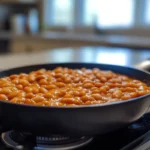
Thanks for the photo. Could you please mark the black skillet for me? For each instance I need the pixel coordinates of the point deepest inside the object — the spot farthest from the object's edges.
(83, 120)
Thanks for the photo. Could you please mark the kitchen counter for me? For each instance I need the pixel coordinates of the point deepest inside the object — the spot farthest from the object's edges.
(103, 39)
(110, 55)
(69, 38)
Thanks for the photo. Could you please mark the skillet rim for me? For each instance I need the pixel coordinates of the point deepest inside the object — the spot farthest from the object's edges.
(81, 106)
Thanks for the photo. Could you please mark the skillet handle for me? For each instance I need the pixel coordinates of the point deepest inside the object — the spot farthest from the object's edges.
(144, 65)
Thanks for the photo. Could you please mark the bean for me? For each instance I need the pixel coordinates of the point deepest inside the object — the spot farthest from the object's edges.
(67, 80)
(88, 85)
(97, 96)
(19, 86)
(140, 93)
(43, 90)
(67, 95)
(82, 93)
(59, 84)
(7, 84)
(103, 79)
(95, 91)
(58, 75)
(13, 76)
(15, 81)
(117, 94)
(22, 94)
(39, 77)
(58, 70)
(76, 93)
(48, 95)
(103, 90)
(133, 94)
(28, 89)
(38, 99)
(87, 98)
(98, 84)
(35, 90)
(31, 78)
(23, 75)
(12, 95)
(59, 80)
(76, 80)
(30, 95)
(43, 82)
(3, 97)
(129, 89)
(67, 100)
(23, 82)
(61, 93)
(6, 90)
(30, 101)
(14, 100)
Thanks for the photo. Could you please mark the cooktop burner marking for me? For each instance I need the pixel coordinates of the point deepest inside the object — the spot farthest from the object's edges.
(48, 142)
(7, 140)
(80, 143)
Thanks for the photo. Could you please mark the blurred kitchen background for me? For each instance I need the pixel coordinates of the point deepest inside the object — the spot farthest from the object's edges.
(37, 25)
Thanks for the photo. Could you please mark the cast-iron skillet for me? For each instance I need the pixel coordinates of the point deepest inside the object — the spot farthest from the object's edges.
(83, 120)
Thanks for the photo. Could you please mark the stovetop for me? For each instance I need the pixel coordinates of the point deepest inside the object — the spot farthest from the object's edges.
(124, 139)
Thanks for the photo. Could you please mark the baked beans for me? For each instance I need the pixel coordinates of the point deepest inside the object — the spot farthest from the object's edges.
(70, 87)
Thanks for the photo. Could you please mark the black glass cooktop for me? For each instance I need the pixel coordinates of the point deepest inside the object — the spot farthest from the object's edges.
(118, 140)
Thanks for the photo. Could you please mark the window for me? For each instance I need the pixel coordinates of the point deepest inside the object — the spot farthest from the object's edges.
(147, 12)
(90, 12)
(63, 12)
(109, 13)
(106, 14)
(58, 12)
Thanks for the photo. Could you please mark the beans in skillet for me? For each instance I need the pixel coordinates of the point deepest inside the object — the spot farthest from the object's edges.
(70, 87)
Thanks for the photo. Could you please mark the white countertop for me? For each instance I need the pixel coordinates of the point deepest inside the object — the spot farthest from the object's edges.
(110, 55)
